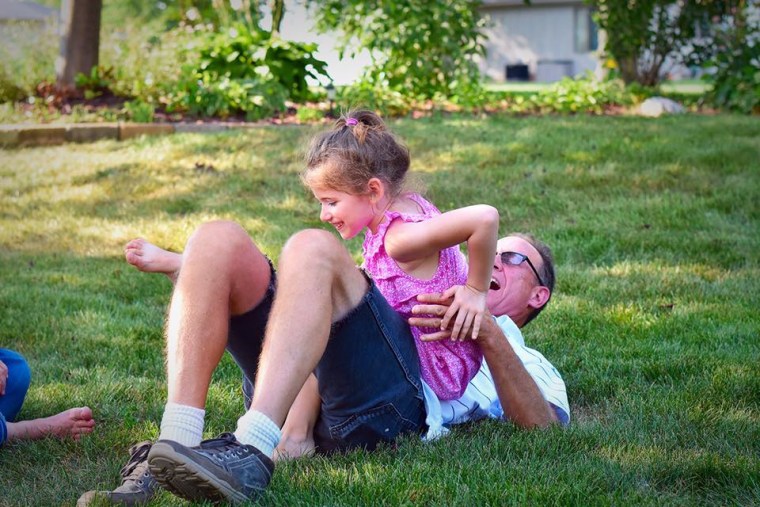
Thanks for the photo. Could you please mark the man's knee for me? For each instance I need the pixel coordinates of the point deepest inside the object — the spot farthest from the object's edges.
(219, 235)
(328, 263)
(315, 246)
(225, 249)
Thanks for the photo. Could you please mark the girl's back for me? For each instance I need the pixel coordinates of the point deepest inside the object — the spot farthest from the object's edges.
(447, 366)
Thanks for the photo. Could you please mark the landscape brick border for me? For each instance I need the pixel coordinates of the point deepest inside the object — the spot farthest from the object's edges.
(21, 135)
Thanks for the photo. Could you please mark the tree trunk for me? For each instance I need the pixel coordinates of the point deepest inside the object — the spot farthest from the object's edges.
(278, 11)
(629, 69)
(80, 39)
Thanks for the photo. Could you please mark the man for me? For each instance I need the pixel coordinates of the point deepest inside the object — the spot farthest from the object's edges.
(327, 318)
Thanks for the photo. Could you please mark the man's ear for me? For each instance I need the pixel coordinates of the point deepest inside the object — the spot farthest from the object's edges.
(376, 189)
(539, 297)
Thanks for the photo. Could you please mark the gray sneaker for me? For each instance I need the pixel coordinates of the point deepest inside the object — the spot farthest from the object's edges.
(218, 469)
(137, 486)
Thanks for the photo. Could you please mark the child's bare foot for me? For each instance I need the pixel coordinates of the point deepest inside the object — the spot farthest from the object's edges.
(149, 258)
(291, 448)
(73, 423)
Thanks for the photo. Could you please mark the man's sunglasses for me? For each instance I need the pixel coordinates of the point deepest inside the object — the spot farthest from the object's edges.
(515, 259)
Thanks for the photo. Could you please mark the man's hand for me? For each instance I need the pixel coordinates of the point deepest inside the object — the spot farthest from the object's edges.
(3, 377)
(520, 397)
(431, 310)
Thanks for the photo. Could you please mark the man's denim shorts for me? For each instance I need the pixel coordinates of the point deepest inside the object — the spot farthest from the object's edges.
(369, 377)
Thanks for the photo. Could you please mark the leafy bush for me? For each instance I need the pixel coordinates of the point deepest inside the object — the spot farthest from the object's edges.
(10, 91)
(736, 77)
(422, 50)
(139, 111)
(99, 80)
(146, 60)
(644, 35)
(244, 71)
(306, 114)
(27, 57)
(379, 98)
(582, 95)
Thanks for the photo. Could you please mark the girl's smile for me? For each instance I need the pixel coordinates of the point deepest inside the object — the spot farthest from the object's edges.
(348, 213)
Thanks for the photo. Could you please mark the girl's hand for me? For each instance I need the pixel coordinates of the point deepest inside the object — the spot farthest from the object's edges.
(469, 306)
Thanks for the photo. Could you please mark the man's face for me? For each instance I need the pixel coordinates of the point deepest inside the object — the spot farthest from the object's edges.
(512, 287)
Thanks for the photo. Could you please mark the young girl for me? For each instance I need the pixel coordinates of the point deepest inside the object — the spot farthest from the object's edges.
(357, 172)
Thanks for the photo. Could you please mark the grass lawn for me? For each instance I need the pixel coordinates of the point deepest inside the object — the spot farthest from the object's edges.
(655, 225)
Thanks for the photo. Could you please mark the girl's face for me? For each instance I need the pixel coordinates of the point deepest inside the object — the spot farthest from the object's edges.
(348, 213)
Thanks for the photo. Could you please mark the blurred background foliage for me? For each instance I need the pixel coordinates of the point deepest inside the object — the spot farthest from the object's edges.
(171, 60)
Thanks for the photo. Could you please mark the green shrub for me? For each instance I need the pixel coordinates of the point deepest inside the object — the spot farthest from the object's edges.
(423, 50)
(736, 78)
(139, 111)
(10, 91)
(582, 95)
(244, 71)
(146, 60)
(309, 114)
(372, 96)
(27, 57)
(99, 80)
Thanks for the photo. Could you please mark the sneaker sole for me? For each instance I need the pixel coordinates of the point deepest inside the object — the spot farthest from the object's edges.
(185, 478)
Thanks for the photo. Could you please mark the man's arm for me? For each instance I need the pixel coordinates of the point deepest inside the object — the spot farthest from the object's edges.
(518, 393)
(520, 397)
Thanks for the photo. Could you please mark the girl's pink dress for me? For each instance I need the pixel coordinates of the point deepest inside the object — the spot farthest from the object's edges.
(446, 366)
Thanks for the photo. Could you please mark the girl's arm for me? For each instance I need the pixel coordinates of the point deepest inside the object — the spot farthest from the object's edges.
(475, 225)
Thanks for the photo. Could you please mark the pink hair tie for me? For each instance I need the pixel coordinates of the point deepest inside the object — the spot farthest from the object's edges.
(351, 122)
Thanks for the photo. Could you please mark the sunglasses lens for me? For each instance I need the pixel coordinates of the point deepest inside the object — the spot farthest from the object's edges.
(513, 258)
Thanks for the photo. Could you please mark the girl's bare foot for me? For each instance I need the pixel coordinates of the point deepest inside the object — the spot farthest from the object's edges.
(73, 423)
(291, 448)
(149, 258)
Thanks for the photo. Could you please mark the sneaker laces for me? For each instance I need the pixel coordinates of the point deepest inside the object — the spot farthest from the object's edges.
(138, 457)
(224, 446)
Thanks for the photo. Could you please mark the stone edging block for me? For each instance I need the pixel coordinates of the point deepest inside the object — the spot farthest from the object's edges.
(91, 133)
(42, 135)
(46, 135)
(130, 130)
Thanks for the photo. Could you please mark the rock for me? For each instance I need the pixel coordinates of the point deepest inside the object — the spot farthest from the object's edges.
(657, 106)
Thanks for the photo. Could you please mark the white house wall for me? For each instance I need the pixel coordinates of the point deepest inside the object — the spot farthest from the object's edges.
(543, 37)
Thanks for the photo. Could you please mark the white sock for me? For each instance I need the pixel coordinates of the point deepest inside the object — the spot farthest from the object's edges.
(258, 430)
(183, 424)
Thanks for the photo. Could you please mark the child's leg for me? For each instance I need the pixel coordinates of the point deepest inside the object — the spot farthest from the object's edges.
(73, 423)
(16, 385)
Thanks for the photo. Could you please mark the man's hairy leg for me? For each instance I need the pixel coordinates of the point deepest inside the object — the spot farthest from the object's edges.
(318, 284)
(223, 273)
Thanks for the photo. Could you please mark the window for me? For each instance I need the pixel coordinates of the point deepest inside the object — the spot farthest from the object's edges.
(586, 31)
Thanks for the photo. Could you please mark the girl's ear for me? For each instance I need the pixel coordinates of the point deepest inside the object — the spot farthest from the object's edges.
(376, 189)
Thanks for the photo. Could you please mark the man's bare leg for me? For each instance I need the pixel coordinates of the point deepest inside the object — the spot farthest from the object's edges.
(223, 273)
(73, 423)
(297, 433)
(318, 284)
